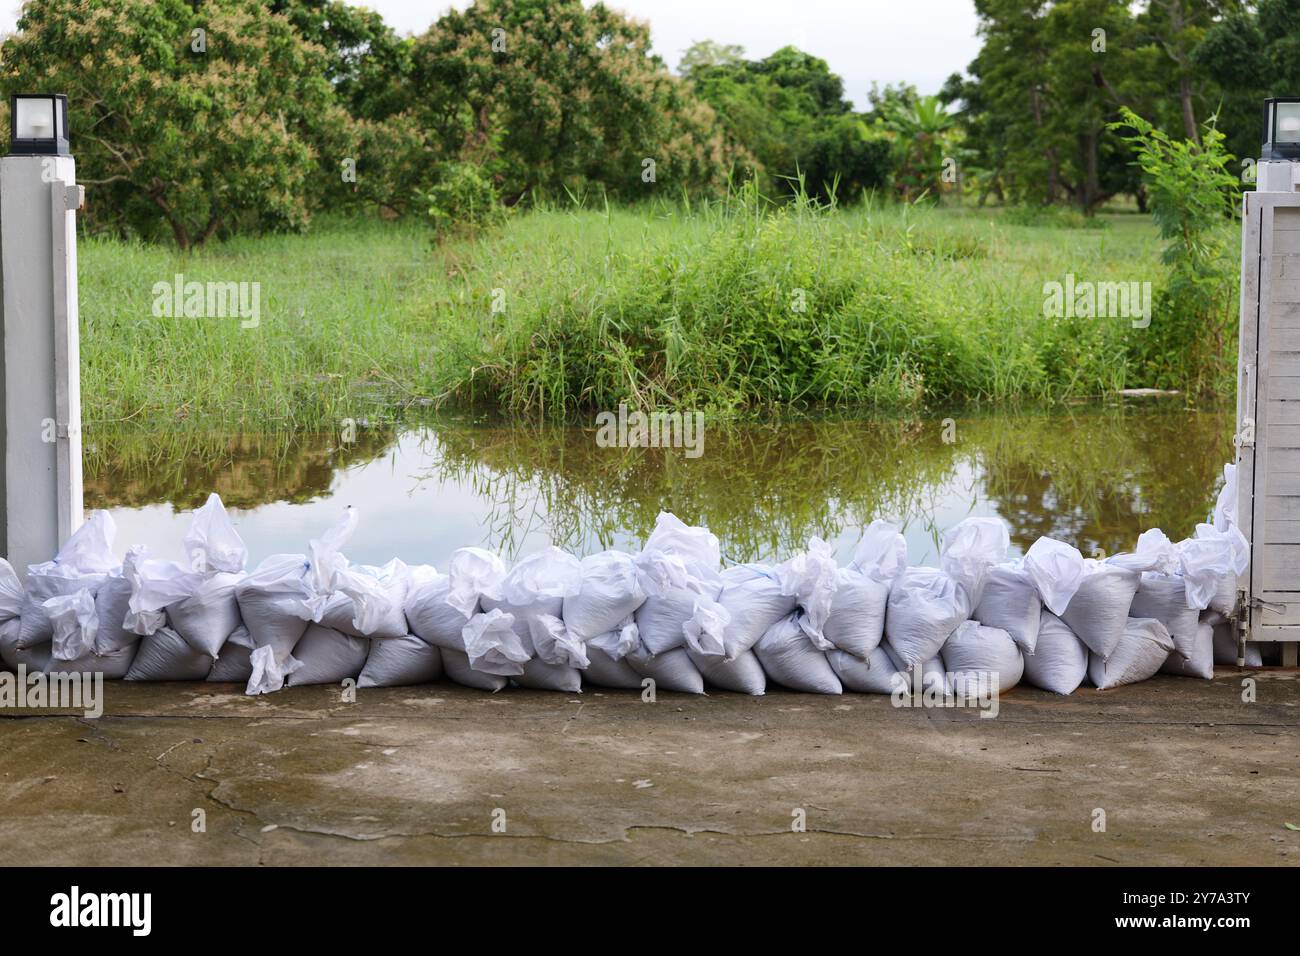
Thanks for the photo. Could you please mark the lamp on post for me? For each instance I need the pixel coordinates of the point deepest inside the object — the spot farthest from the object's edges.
(38, 125)
(40, 425)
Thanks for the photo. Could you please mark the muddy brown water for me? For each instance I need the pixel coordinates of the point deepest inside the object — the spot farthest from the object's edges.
(1095, 476)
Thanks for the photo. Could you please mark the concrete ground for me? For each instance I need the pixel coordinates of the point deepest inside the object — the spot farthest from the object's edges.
(1185, 772)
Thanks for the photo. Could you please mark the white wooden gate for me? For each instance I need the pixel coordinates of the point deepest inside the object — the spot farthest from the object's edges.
(1268, 418)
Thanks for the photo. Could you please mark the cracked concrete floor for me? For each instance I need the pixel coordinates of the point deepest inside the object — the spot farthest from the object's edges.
(1185, 771)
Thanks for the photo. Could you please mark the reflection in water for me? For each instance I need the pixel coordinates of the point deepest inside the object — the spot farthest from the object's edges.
(1095, 477)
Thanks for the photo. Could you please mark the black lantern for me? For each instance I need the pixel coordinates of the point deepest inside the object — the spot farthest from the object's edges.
(38, 124)
(1281, 128)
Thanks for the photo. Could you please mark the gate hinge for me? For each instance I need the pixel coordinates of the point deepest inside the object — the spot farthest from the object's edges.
(1246, 437)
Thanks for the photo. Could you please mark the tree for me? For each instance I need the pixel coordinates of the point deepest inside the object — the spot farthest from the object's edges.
(199, 115)
(706, 53)
(549, 94)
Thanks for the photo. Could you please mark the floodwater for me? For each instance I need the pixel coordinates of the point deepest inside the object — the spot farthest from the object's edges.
(1095, 476)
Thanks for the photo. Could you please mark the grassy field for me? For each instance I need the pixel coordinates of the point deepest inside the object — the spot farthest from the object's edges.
(732, 309)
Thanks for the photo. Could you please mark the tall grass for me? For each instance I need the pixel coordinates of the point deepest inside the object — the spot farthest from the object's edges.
(737, 307)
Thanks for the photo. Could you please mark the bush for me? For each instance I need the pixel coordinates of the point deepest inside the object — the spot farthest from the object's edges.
(462, 197)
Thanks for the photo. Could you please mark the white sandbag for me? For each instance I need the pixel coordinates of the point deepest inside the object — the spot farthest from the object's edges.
(368, 601)
(429, 615)
(165, 655)
(12, 595)
(456, 665)
(1225, 647)
(473, 573)
(661, 620)
(114, 665)
(235, 664)
(1057, 570)
(1164, 597)
(84, 562)
(273, 602)
(33, 659)
(790, 658)
(610, 591)
(978, 656)
(210, 614)
(197, 599)
(744, 675)
(112, 604)
(678, 563)
(399, 662)
(672, 670)
(876, 675)
(753, 597)
(492, 644)
(1098, 612)
(270, 670)
(1225, 506)
(605, 671)
(1209, 562)
(1060, 660)
(1142, 649)
(856, 623)
(73, 620)
(925, 606)
(533, 594)
(813, 577)
(1193, 658)
(555, 656)
(1011, 603)
(328, 656)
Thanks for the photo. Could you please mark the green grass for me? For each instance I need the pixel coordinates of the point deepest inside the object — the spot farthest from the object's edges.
(662, 306)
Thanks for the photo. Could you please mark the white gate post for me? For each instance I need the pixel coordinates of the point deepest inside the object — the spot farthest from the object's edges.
(41, 426)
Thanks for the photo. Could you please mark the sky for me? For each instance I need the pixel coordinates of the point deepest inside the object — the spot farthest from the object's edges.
(883, 41)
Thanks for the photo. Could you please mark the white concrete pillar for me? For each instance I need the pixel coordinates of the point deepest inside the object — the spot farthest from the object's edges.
(41, 485)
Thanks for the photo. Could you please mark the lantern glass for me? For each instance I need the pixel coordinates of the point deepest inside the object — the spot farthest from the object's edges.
(36, 118)
(1286, 123)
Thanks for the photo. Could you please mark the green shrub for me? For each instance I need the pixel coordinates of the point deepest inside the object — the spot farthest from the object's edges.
(463, 197)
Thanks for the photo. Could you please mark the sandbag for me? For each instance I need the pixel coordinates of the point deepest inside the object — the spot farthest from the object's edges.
(83, 563)
(429, 615)
(557, 656)
(165, 655)
(112, 603)
(976, 656)
(270, 670)
(1164, 597)
(1060, 660)
(456, 666)
(12, 595)
(1225, 646)
(533, 594)
(1098, 612)
(197, 599)
(368, 601)
(677, 564)
(876, 675)
(604, 670)
(925, 607)
(752, 598)
(328, 656)
(927, 604)
(32, 659)
(400, 661)
(1142, 649)
(744, 675)
(1011, 603)
(273, 602)
(493, 646)
(672, 670)
(856, 622)
(114, 665)
(789, 657)
(610, 591)
(73, 622)
(234, 665)
(1193, 658)
(1057, 570)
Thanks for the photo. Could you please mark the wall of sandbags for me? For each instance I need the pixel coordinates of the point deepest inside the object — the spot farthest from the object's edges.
(671, 613)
